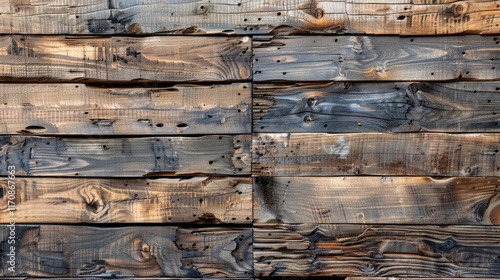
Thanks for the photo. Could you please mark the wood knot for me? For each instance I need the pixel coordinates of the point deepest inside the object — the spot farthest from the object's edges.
(458, 10)
(134, 28)
(318, 13)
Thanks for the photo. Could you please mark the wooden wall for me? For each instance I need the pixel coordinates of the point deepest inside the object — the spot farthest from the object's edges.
(250, 139)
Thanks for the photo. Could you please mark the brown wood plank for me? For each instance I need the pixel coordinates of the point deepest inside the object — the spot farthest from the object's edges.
(422, 154)
(84, 109)
(412, 278)
(58, 251)
(95, 156)
(203, 200)
(369, 250)
(379, 107)
(124, 58)
(378, 200)
(376, 58)
(250, 17)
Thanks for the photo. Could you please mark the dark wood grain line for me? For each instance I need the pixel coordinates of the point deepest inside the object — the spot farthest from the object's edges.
(62, 251)
(377, 107)
(167, 59)
(378, 200)
(376, 58)
(95, 156)
(423, 154)
(369, 250)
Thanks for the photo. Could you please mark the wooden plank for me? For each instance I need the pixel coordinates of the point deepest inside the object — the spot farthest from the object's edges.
(96, 156)
(376, 58)
(59, 251)
(84, 109)
(250, 17)
(136, 59)
(379, 107)
(378, 200)
(423, 154)
(407, 278)
(369, 250)
(203, 200)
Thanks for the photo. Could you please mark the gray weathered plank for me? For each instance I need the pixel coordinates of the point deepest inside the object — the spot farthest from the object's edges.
(59, 251)
(95, 156)
(423, 154)
(136, 59)
(83, 109)
(249, 17)
(203, 200)
(377, 107)
(369, 250)
(376, 58)
(378, 200)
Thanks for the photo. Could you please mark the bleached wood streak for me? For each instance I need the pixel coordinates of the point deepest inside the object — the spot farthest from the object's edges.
(95, 156)
(378, 200)
(127, 59)
(370, 250)
(61, 251)
(203, 200)
(422, 154)
(250, 17)
(83, 109)
(377, 107)
(376, 58)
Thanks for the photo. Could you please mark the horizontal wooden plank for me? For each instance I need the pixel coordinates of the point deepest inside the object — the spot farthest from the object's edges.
(422, 154)
(136, 59)
(408, 278)
(58, 251)
(201, 200)
(377, 107)
(376, 58)
(378, 200)
(83, 109)
(95, 156)
(368, 250)
(250, 17)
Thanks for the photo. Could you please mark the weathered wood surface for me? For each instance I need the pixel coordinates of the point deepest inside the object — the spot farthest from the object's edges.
(378, 200)
(127, 59)
(250, 17)
(203, 200)
(408, 278)
(84, 109)
(379, 107)
(130, 251)
(95, 156)
(431, 154)
(376, 58)
(368, 250)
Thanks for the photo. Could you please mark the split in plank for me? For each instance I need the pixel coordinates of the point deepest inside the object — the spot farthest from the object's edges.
(250, 17)
(84, 109)
(421, 154)
(168, 59)
(376, 58)
(202, 200)
(378, 200)
(95, 156)
(377, 107)
(369, 250)
(59, 251)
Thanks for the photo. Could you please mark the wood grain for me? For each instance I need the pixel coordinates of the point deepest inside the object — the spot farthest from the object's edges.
(250, 17)
(97, 156)
(378, 200)
(379, 107)
(423, 154)
(408, 278)
(369, 250)
(376, 58)
(84, 109)
(60, 251)
(203, 200)
(135, 59)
